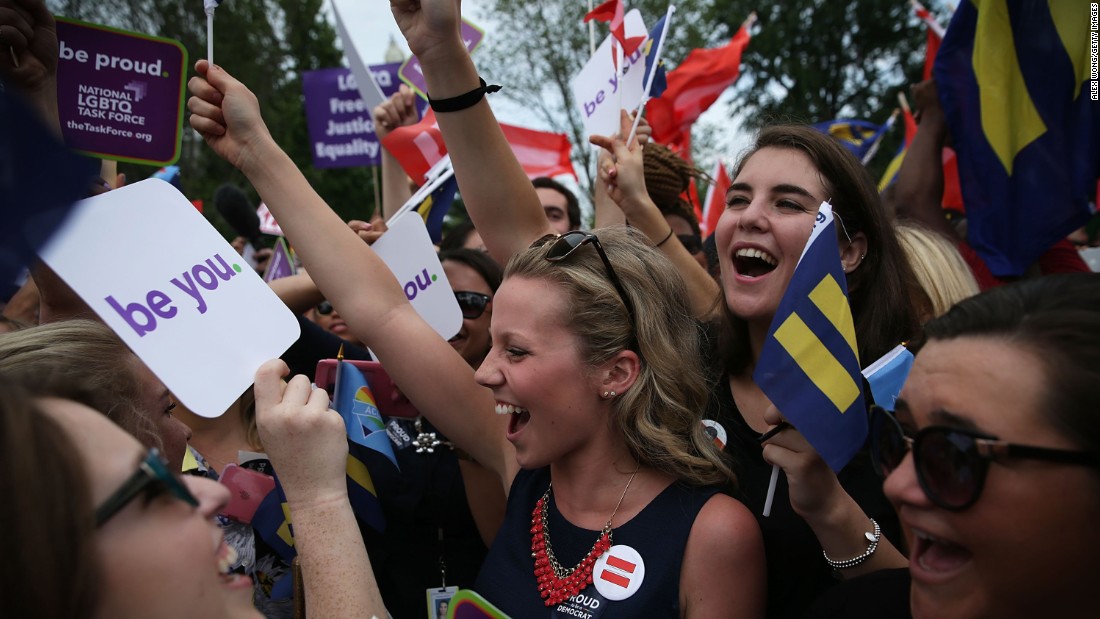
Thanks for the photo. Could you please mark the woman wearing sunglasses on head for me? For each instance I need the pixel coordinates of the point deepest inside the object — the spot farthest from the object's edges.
(592, 372)
(993, 459)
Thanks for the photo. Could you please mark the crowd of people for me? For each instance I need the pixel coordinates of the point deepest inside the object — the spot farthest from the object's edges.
(574, 468)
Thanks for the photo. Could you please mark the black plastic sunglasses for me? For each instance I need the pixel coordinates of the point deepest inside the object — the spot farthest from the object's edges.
(472, 304)
(952, 463)
(151, 471)
(569, 242)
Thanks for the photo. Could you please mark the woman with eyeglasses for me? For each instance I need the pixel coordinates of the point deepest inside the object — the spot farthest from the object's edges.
(993, 458)
(593, 374)
(97, 525)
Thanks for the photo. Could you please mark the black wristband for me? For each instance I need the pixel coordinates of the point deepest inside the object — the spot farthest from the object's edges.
(463, 101)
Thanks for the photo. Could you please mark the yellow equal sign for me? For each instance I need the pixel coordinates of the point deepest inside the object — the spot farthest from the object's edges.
(811, 354)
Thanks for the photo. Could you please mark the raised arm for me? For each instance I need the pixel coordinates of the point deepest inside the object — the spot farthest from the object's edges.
(498, 195)
(308, 447)
(918, 190)
(30, 39)
(351, 276)
(624, 178)
(397, 111)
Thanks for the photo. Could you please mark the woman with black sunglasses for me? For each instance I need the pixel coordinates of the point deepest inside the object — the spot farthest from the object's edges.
(993, 460)
(593, 374)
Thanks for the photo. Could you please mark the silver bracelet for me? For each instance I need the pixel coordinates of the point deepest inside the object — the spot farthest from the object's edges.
(872, 537)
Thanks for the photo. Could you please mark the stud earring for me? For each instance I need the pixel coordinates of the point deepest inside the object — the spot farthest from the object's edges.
(606, 394)
(613, 394)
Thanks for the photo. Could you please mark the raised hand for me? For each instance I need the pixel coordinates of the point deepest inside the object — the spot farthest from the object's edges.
(430, 27)
(28, 47)
(306, 441)
(397, 111)
(621, 169)
(227, 115)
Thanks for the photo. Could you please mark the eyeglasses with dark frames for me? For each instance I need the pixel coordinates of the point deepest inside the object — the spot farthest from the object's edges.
(569, 242)
(471, 303)
(151, 471)
(952, 463)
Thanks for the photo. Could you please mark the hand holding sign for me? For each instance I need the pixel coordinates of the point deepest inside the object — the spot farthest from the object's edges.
(226, 114)
(303, 437)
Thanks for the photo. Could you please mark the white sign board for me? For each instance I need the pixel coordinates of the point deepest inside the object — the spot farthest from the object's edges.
(174, 290)
(597, 88)
(408, 252)
(364, 79)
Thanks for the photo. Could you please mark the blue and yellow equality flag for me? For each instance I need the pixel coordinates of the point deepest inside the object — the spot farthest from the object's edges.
(652, 62)
(858, 136)
(1013, 80)
(434, 208)
(809, 365)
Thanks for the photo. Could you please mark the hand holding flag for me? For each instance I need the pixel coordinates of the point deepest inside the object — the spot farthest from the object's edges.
(809, 364)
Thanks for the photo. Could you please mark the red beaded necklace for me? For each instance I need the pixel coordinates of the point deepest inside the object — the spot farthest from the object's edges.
(556, 583)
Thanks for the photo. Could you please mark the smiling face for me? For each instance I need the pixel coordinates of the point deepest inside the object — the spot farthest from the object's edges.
(472, 341)
(158, 556)
(769, 215)
(1029, 546)
(538, 377)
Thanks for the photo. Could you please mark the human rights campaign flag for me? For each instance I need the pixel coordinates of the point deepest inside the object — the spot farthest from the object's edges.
(857, 136)
(1013, 78)
(434, 208)
(809, 367)
(652, 62)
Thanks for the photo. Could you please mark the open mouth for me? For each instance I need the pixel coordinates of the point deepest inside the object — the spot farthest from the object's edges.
(753, 262)
(232, 576)
(935, 556)
(519, 416)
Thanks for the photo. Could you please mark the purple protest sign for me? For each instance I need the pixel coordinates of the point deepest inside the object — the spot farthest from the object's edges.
(411, 73)
(341, 133)
(119, 93)
(281, 264)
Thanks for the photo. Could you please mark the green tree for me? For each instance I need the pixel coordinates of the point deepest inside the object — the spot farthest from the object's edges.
(817, 60)
(264, 43)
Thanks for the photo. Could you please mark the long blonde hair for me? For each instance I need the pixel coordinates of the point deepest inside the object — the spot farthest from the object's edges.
(660, 416)
(84, 361)
(938, 265)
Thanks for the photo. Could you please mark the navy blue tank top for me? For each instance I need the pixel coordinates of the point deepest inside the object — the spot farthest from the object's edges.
(658, 533)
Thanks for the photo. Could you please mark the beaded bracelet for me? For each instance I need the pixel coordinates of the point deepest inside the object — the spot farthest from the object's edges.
(872, 537)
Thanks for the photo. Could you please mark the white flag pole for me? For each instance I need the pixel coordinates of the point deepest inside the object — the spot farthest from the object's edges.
(874, 147)
(209, 6)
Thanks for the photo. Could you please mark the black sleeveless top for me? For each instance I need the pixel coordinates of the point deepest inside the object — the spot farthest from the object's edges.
(658, 533)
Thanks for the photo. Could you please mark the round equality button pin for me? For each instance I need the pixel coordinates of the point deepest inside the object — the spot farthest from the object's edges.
(618, 573)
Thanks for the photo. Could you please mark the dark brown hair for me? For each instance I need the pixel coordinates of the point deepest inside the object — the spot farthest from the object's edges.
(1057, 319)
(48, 540)
(882, 289)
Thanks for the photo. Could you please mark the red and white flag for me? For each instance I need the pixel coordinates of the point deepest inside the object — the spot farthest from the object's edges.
(612, 11)
(716, 200)
(539, 152)
(418, 147)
